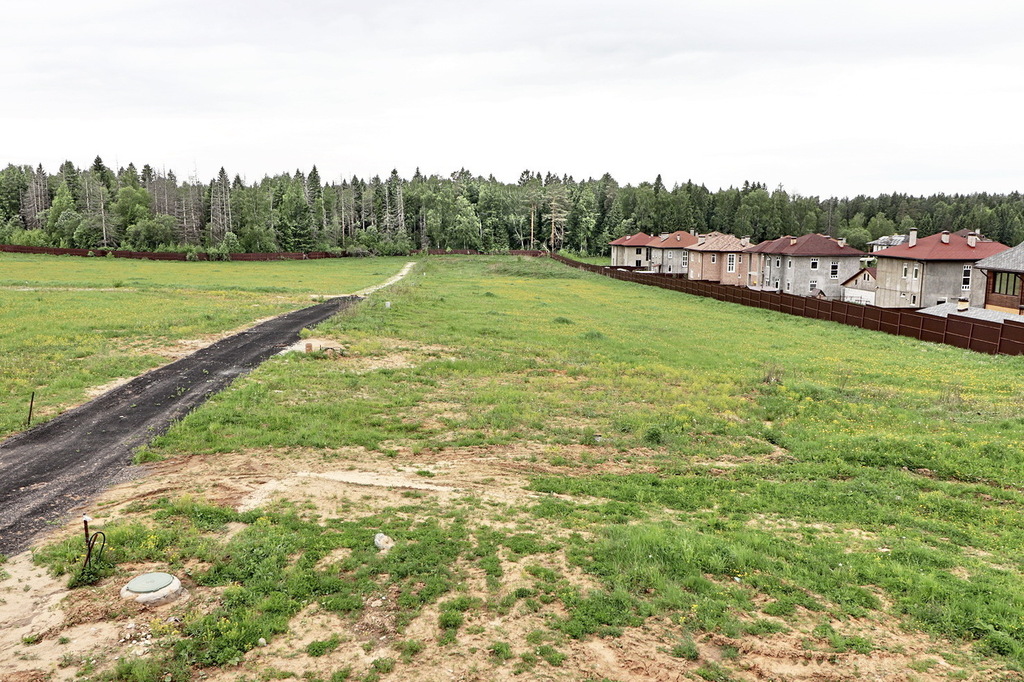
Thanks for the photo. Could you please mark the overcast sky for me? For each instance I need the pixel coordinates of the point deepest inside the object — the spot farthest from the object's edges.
(825, 98)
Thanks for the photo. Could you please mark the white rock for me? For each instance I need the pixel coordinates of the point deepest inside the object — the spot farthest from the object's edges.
(261, 641)
(383, 542)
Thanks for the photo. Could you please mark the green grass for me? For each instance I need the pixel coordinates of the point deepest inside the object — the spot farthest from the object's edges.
(764, 468)
(67, 327)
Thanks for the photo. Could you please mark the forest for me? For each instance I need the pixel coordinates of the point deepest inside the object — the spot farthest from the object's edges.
(152, 210)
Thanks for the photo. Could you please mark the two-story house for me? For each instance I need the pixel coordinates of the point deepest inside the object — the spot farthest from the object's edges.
(809, 265)
(718, 257)
(861, 287)
(1004, 273)
(632, 250)
(933, 270)
(669, 253)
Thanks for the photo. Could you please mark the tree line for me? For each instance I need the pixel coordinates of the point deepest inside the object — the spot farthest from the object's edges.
(152, 210)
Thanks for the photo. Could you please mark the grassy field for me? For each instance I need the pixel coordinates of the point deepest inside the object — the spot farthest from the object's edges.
(600, 462)
(67, 324)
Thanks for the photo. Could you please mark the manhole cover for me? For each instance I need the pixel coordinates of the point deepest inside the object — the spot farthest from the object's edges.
(149, 582)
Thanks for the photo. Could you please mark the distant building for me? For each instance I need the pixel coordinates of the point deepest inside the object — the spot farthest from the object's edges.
(1004, 273)
(632, 250)
(933, 270)
(668, 252)
(861, 287)
(718, 257)
(887, 241)
(809, 265)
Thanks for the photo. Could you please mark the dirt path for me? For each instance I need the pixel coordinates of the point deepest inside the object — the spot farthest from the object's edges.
(49, 470)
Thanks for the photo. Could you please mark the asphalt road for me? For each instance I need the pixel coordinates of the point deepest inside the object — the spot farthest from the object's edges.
(56, 467)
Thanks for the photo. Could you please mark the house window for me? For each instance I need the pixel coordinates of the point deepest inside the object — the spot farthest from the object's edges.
(684, 258)
(814, 264)
(778, 262)
(1006, 283)
(638, 264)
(906, 269)
(813, 284)
(776, 287)
(865, 277)
(789, 263)
(739, 258)
(965, 284)
(917, 270)
(714, 258)
(789, 286)
(639, 251)
(833, 272)
(670, 255)
(730, 263)
(670, 267)
(913, 300)
(648, 253)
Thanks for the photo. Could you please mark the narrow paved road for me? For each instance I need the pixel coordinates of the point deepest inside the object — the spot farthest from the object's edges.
(49, 470)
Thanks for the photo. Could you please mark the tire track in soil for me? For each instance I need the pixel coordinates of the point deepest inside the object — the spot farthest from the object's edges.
(49, 470)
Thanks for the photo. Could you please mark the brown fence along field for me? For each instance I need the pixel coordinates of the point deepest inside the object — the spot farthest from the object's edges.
(984, 336)
(159, 255)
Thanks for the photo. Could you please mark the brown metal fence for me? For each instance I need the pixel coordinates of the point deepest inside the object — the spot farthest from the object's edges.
(159, 255)
(984, 336)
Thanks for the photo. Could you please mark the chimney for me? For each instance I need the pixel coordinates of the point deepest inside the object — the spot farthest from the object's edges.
(841, 241)
(913, 237)
(701, 238)
(693, 231)
(663, 235)
(945, 237)
(792, 241)
(744, 241)
(962, 305)
(972, 239)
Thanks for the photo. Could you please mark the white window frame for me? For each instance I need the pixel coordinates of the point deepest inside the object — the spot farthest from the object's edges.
(714, 258)
(814, 264)
(684, 258)
(833, 272)
(917, 270)
(906, 270)
(789, 263)
(812, 285)
(670, 255)
(730, 262)
(789, 286)
(965, 283)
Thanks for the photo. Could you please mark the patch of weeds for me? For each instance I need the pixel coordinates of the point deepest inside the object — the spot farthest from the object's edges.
(383, 665)
(653, 435)
(31, 639)
(145, 456)
(500, 651)
(687, 650)
(425, 473)
(924, 665)
(763, 626)
(272, 673)
(592, 335)
(341, 675)
(712, 672)
(148, 669)
(322, 647)
(562, 320)
(841, 643)
(527, 661)
(550, 654)
(409, 648)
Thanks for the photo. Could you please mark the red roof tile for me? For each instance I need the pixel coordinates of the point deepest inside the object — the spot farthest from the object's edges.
(806, 245)
(638, 239)
(677, 240)
(933, 248)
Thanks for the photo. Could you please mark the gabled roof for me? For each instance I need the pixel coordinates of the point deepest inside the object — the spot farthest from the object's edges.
(806, 245)
(1011, 260)
(933, 248)
(716, 241)
(677, 240)
(638, 239)
(873, 272)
